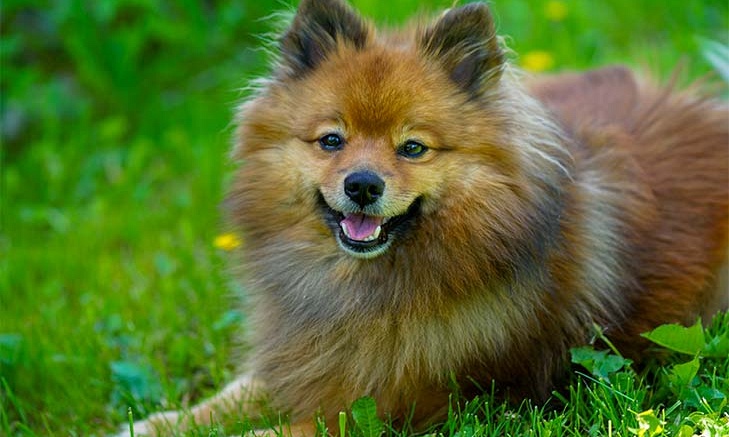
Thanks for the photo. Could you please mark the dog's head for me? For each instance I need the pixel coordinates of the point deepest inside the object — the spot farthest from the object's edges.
(377, 132)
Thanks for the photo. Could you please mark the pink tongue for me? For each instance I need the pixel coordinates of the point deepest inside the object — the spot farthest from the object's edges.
(361, 226)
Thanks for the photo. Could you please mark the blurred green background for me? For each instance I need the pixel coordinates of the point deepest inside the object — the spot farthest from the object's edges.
(115, 124)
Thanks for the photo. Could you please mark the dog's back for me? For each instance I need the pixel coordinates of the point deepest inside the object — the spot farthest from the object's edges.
(671, 150)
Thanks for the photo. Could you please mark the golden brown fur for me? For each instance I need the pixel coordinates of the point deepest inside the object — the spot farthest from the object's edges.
(539, 210)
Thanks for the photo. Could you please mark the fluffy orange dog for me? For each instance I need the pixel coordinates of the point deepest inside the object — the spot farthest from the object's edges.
(414, 215)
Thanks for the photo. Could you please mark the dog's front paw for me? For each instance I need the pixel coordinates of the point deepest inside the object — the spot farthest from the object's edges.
(166, 423)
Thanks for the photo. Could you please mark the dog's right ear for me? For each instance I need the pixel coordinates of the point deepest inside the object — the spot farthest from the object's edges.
(317, 28)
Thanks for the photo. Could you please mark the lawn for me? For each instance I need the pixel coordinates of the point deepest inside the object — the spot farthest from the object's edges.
(115, 125)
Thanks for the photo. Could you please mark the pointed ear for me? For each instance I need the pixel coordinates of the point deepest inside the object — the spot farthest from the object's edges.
(464, 42)
(315, 32)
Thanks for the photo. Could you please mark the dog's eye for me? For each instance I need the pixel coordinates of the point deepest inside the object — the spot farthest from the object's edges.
(331, 142)
(412, 149)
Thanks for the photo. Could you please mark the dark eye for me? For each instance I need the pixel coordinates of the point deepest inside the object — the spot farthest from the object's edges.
(412, 149)
(331, 142)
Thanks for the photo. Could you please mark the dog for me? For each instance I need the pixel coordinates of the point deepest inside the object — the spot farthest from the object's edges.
(418, 215)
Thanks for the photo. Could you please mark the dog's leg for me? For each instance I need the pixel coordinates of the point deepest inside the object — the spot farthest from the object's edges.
(243, 395)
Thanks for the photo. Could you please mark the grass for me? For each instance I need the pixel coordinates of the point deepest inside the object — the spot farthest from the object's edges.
(115, 123)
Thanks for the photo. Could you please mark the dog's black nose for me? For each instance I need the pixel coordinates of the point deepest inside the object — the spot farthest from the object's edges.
(364, 187)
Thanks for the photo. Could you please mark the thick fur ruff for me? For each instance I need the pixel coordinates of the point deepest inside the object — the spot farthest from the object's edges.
(535, 209)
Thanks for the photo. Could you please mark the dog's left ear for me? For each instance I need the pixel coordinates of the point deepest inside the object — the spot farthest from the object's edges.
(464, 42)
(318, 27)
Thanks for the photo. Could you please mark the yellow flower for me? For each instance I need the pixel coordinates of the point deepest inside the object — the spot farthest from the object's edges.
(537, 60)
(228, 241)
(555, 10)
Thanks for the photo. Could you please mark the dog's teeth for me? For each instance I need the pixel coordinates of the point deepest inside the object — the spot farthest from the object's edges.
(344, 229)
(374, 235)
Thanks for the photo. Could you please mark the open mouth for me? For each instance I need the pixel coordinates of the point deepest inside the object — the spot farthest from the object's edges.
(367, 236)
